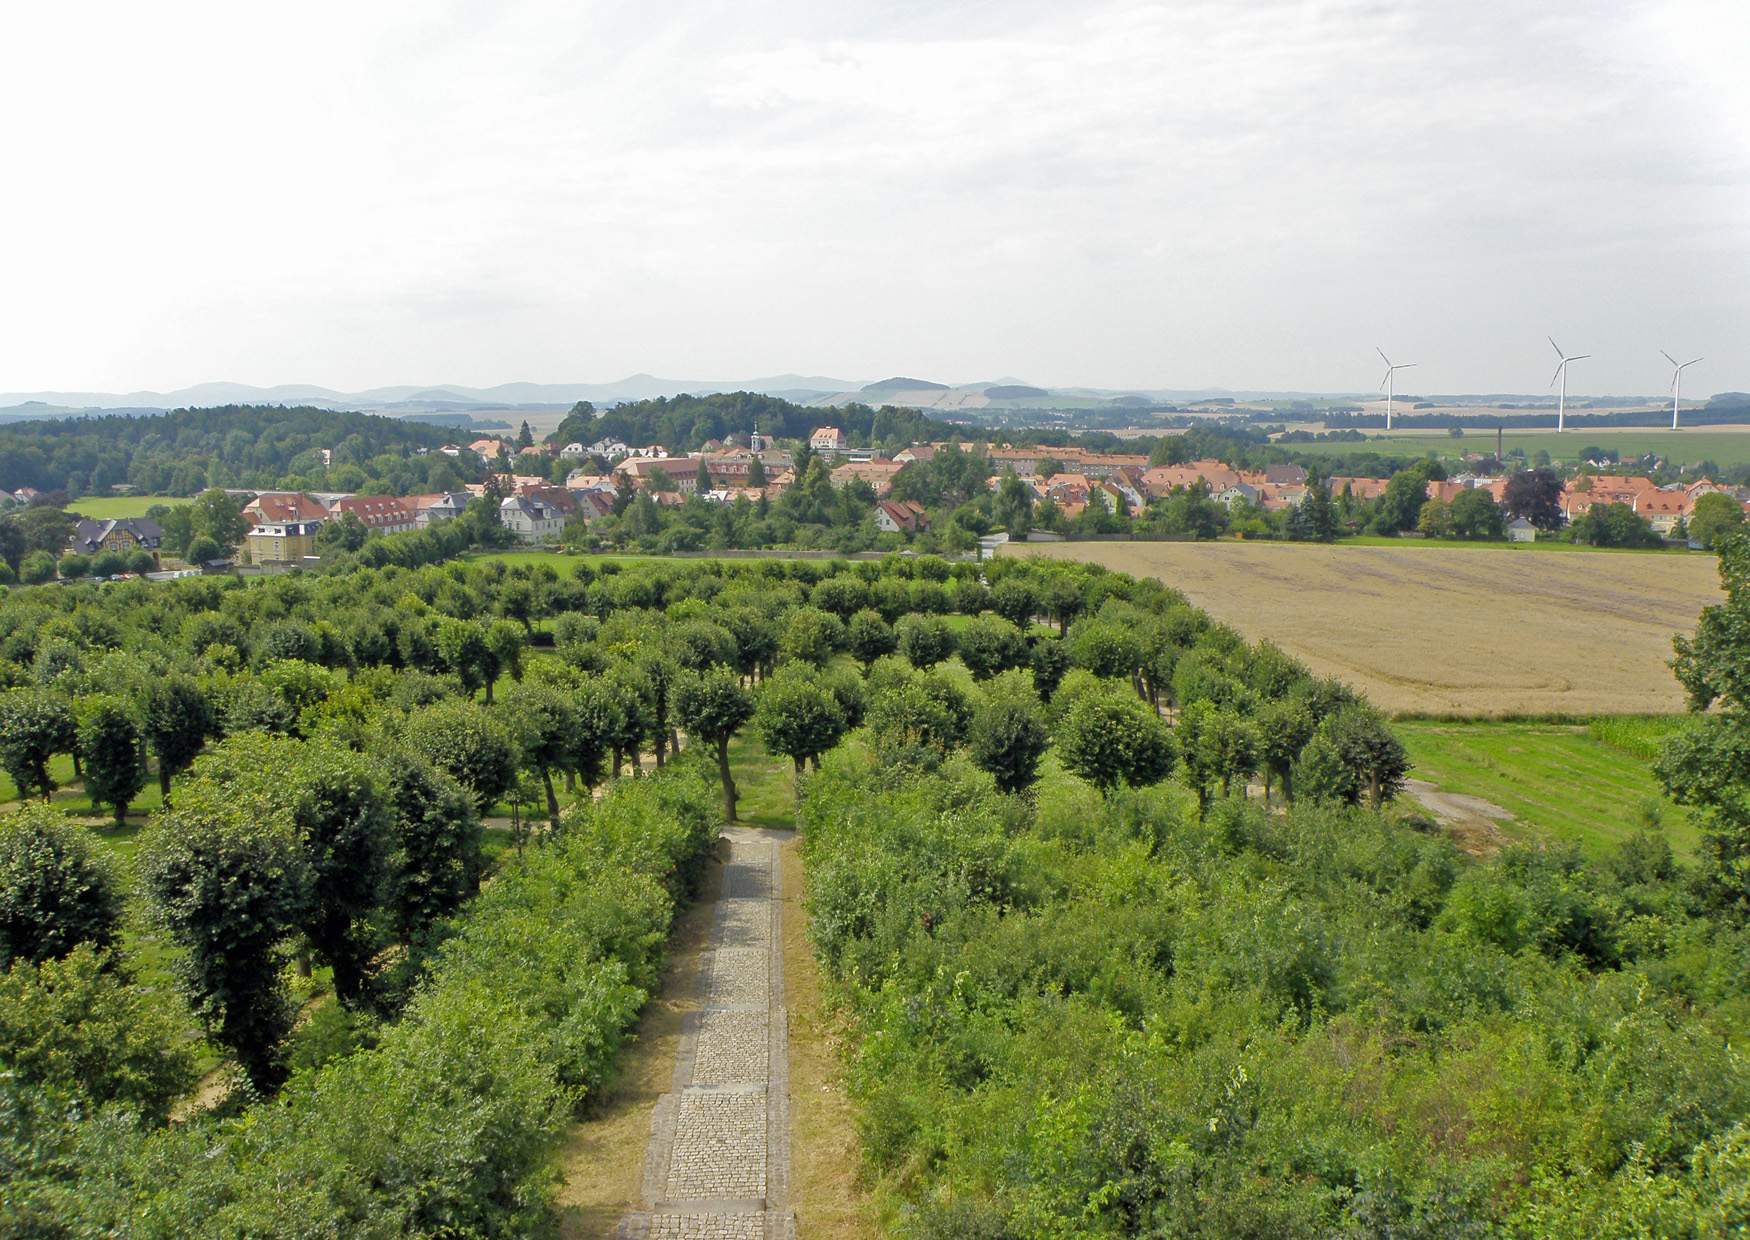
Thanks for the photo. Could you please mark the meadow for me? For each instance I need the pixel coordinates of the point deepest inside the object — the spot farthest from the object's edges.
(1589, 785)
(1725, 446)
(1433, 630)
(115, 507)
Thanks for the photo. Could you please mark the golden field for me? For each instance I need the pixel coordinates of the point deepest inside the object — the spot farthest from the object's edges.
(1446, 630)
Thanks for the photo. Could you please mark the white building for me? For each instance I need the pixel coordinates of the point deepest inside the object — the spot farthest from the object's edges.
(531, 520)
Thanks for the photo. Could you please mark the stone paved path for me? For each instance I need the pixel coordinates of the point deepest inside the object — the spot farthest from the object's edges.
(718, 1163)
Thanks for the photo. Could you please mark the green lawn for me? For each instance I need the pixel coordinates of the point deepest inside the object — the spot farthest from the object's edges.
(765, 786)
(1723, 447)
(1592, 786)
(103, 507)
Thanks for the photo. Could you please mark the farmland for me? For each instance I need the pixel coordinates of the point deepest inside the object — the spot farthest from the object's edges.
(1434, 630)
(1724, 446)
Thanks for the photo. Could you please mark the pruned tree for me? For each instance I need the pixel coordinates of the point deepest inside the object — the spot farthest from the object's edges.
(179, 718)
(1109, 738)
(713, 706)
(55, 893)
(114, 752)
(35, 724)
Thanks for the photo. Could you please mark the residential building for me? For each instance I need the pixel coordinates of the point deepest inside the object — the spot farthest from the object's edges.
(283, 507)
(531, 520)
(878, 474)
(1519, 530)
(899, 517)
(828, 439)
(281, 541)
(384, 513)
(127, 534)
(430, 509)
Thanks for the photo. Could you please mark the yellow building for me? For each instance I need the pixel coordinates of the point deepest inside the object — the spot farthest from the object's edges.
(282, 542)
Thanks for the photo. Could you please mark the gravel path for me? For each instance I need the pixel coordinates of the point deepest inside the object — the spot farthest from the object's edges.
(717, 1167)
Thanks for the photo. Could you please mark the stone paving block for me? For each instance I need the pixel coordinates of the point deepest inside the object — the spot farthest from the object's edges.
(740, 976)
(719, 1146)
(745, 922)
(733, 1048)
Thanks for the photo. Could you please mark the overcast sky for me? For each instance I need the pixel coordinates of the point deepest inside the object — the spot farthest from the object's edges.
(1240, 193)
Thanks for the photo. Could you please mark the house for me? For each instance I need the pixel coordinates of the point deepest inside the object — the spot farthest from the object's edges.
(828, 439)
(594, 504)
(430, 509)
(126, 535)
(917, 452)
(1520, 530)
(573, 452)
(383, 513)
(281, 541)
(1664, 509)
(1285, 475)
(899, 517)
(878, 474)
(531, 520)
(488, 449)
(281, 507)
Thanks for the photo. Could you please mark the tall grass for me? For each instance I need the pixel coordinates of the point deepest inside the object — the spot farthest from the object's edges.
(1639, 736)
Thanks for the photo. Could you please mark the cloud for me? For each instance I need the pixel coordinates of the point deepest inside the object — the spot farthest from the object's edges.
(1248, 194)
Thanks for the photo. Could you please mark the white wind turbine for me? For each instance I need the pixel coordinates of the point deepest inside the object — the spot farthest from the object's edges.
(1388, 385)
(1677, 369)
(1562, 374)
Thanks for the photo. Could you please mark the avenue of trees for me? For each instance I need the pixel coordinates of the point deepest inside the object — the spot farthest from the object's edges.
(1130, 931)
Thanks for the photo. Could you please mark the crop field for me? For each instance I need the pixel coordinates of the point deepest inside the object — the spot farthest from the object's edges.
(106, 507)
(1586, 785)
(1723, 445)
(1436, 630)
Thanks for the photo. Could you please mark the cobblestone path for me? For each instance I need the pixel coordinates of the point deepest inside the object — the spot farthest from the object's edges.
(717, 1167)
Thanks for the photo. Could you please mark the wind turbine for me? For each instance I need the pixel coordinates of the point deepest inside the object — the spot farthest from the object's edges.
(1388, 385)
(1677, 369)
(1562, 374)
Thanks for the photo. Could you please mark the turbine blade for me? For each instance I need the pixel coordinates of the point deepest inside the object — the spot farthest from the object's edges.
(1558, 374)
(1576, 357)
(1405, 365)
(1382, 356)
(1555, 346)
(1667, 357)
(1692, 361)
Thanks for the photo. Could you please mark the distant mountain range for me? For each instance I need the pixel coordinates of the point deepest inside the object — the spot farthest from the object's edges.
(970, 399)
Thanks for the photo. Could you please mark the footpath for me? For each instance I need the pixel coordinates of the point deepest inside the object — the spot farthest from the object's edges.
(717, 1166)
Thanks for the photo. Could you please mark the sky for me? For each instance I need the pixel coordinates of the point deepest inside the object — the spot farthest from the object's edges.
(1231, 193)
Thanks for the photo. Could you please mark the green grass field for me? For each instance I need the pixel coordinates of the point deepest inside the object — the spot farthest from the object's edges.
(1588, 785)
(105, 507)
(1681, 447)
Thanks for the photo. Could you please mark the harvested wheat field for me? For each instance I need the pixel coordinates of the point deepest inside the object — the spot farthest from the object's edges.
(1438, 630)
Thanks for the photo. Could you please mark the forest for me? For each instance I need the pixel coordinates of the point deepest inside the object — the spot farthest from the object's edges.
(1127, 929)
(188, 451)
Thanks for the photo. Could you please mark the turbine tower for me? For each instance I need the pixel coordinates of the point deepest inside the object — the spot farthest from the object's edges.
(1677, 369)
(1562, 374)
(1388, 385)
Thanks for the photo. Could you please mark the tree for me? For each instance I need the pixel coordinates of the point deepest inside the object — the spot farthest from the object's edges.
(868, 637)
(227, 882)
(525, 437)
(114, 752)
(218, 516)
(990, 644)
(1108, 738)
(1351, 754)
(756, 473)
(917, 719)
(1008, 737)
(713, 706)
(467, 743)
(702, 479)
(343, 533)
(437, 859)
(811, 635)
(1284, 727)
(35, 724)
(1707, 765)
(55, 893)
(1314, 519)
(798, 716)
(1219, 747)
(1014, 506)
(1536, 495)
(1474, 514)
(79, 1027)
(1015, 600)
(36, 568)
(1715, 516)
(924, 640)
(461, 644)
(544, 723)
(1401, 505)
(1613, 525)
